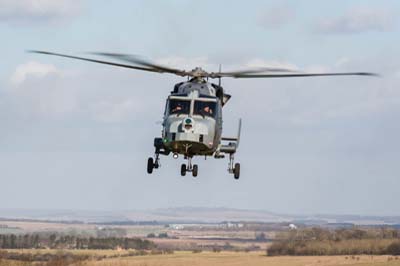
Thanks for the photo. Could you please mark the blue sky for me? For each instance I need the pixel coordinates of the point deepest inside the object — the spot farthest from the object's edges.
(76, 135)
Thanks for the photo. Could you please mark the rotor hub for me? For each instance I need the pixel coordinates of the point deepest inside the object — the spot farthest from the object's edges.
(198, 72)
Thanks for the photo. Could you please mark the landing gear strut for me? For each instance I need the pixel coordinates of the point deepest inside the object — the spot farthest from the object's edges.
(233, 168)
(160, 149)
(189, 168)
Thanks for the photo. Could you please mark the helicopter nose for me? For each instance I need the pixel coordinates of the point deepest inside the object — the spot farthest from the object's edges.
(188, 123)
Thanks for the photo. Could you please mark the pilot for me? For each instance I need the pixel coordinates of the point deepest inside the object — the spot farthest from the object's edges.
(208, 110)
(177, 109)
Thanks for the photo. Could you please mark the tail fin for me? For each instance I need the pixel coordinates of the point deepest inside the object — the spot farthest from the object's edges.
(233, 144)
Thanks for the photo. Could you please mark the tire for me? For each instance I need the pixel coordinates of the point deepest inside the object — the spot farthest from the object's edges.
(236, 171)
(195, 170)
(183, 169)
(150, 165)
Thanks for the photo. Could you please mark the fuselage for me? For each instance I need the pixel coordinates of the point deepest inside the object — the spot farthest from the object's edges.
(192, 123)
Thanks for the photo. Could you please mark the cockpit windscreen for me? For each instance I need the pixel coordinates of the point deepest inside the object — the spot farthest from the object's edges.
(205, 108)
(179, 106)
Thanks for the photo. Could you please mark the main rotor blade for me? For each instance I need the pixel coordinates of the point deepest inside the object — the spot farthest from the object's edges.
(294, 75)
(138, 61)
(96, 61)
(251, 71)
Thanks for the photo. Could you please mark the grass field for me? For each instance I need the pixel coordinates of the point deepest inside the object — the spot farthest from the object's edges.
(232, 247)
(239, 259)
(220, 259)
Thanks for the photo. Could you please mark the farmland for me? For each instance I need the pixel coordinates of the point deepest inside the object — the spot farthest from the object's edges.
(181, 258)
(42, 243)
(238, 259)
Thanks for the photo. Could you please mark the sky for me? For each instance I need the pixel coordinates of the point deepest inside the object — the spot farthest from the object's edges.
(77, 135)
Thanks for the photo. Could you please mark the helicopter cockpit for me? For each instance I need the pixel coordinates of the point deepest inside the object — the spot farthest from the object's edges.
(178, 107)
(203, 108)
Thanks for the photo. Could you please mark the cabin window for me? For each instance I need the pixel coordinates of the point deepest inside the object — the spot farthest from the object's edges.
(204, 108)
(179, 107)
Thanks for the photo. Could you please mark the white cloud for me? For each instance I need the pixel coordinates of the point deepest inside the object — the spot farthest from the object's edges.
(275, 18)
(317, 69)
(185, 63)
(32, 70)
(397, 74)
(111, 112)
(358, 20)
(33, 10)
(343, 61)
(42, 90)
(260, 63)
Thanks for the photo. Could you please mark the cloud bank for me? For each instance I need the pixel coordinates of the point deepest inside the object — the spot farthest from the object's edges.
(358, 20)
(275, 18)
(32, 69)
(37, 10)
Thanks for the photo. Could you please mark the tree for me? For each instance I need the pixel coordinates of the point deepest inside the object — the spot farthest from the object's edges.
(163, 235)
(394, 248)
(260, 236)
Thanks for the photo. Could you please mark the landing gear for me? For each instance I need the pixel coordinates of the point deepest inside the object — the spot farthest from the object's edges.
(183, 169)
(234, 168)
(236, 171)
(160, 149)
(189, 168)
(153, 163)
(195, 170)
(150, 165)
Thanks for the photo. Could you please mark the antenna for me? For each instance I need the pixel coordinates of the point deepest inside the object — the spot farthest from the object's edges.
(219, 79)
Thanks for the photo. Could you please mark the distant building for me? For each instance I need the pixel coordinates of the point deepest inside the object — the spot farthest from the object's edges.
(232, 225)
(178, 226)
(292, 227)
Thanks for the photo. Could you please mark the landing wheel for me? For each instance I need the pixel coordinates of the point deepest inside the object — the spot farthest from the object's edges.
(236, 171)
(183, 169)
(150, 165)
(195, 170)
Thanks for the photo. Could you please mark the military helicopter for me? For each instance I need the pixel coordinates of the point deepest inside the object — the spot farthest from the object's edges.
(192, 122)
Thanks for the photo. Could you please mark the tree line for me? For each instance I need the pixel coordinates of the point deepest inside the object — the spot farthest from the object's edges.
(36, 241)
(351, 241)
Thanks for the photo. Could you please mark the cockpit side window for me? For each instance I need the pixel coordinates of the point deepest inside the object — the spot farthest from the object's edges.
(179, 106)
(204, 108)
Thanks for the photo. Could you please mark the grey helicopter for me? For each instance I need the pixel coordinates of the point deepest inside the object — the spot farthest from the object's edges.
(192, 121)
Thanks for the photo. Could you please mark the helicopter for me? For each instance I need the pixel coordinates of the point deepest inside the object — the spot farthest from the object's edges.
(192, 121)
